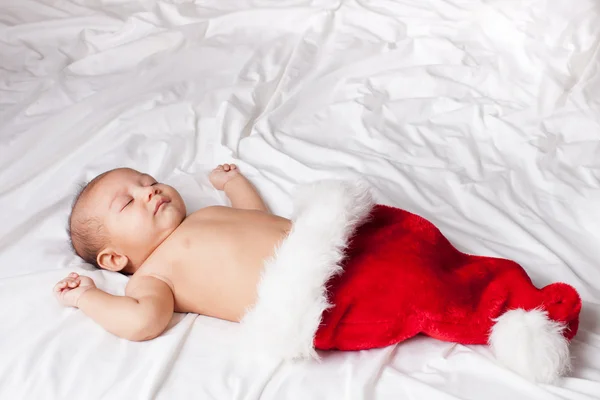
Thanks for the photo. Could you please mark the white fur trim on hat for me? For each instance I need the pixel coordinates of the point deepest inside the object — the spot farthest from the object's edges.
(291, 292)
(531, 344)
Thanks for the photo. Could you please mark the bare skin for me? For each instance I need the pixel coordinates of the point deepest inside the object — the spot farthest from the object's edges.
(208, 263)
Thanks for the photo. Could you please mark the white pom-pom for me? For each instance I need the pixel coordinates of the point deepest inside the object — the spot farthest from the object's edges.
(531, 344)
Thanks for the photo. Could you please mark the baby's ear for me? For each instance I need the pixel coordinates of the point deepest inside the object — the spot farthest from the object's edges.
(111, 260)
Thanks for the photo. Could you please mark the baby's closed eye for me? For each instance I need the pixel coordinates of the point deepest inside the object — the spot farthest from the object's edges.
(128, 201)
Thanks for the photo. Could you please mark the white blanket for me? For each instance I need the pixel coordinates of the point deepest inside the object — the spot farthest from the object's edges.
(480, 115)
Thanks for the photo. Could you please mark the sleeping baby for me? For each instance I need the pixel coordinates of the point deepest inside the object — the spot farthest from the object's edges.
(342, 274)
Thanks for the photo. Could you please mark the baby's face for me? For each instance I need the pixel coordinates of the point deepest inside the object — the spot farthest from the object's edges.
(137, 212)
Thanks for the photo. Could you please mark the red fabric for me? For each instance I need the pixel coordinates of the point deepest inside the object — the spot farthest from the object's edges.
(402, 277)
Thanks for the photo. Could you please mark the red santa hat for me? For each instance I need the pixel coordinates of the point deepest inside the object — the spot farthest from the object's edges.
(353, 275)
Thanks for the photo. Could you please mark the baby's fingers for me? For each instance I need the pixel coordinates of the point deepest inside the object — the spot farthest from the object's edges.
(60, 286)
(74, 283)
(67, 283)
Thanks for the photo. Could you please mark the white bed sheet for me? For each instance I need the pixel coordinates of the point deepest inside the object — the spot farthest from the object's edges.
(481, 115)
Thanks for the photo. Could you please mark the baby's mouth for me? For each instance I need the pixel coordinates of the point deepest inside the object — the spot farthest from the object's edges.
(159, 203)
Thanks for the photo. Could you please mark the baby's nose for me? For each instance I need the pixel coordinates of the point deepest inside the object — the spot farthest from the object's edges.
(150, 192)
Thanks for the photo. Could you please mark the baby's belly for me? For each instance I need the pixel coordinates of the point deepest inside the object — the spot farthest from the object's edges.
(224, 292)
(222, 281)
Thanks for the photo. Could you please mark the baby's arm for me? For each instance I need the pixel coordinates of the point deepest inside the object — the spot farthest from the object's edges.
(240, 191)
(142, 314)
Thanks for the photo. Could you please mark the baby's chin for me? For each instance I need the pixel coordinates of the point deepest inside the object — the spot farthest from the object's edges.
(171, 214)
(171, 221)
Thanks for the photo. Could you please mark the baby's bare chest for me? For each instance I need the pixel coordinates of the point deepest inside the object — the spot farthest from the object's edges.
(225, 236)
(212, 262)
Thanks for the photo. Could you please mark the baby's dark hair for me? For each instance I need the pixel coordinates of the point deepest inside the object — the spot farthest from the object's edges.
(86, 233)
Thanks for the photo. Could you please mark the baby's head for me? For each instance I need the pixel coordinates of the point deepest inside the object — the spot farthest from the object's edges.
(121, 217)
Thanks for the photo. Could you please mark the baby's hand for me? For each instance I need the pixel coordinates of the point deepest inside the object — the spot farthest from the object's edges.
(69, 290)
(223, 174)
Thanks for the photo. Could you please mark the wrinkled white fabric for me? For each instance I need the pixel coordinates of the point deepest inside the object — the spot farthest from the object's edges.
(482, 115)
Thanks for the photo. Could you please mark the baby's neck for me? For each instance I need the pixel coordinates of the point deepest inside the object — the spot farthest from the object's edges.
(139, 257)
(136, 262)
